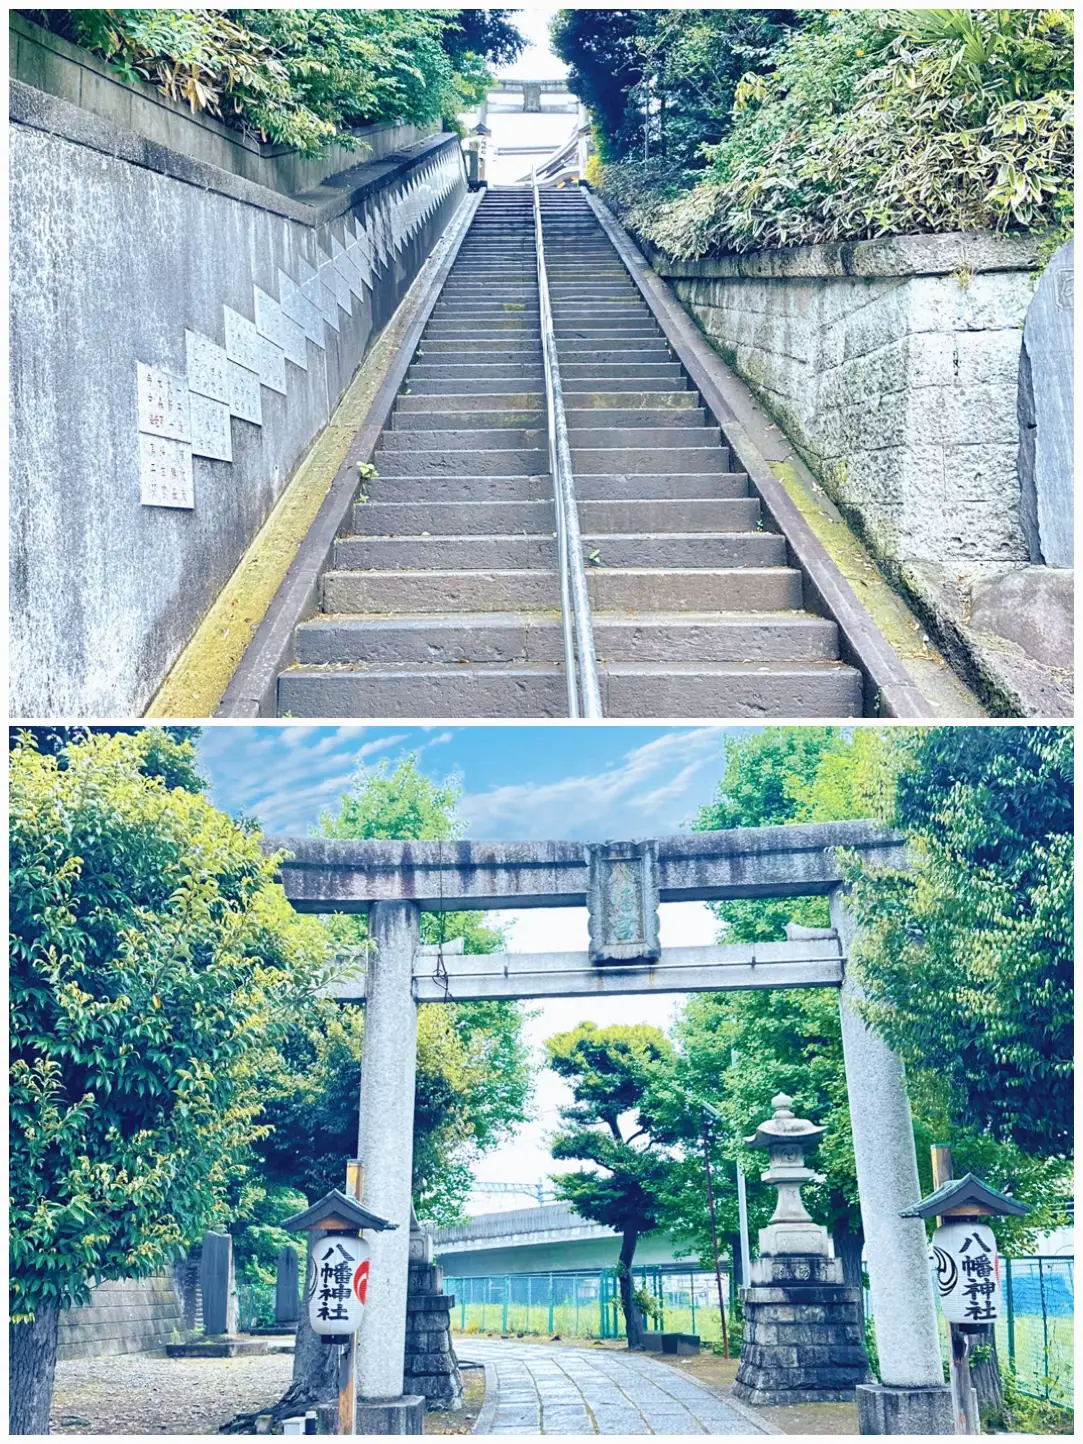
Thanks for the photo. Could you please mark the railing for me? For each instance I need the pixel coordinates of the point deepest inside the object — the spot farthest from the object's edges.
(580, 661)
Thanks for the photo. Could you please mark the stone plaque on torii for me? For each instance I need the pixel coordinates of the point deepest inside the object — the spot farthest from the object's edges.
(623, 884)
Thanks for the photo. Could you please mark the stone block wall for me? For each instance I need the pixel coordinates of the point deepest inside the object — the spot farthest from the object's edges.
(893, 367)
(125, 1316)
(118, 246)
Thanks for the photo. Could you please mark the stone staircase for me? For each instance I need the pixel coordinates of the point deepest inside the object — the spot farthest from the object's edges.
(444, 599)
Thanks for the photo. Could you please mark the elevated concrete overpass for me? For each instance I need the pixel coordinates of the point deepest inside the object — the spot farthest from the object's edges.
(546, 1239)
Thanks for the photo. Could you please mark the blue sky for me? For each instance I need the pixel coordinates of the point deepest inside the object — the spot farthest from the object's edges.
(530, 782)
(517, 782)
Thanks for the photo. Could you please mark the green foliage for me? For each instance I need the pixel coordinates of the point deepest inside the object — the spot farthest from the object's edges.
(1023, 1414)
(661, 83)
(304, 78)
(973, 984)
(611, 1071)
(884, 123)
(154, 963)
(967, 958)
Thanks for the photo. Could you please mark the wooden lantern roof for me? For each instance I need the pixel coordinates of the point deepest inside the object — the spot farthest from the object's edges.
(966, 1197)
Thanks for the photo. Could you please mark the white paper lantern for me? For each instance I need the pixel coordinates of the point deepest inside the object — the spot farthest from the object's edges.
(967, 1272)
(338, 1280)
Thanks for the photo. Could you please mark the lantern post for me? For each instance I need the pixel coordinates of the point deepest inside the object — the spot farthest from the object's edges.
(967, 1265)
(337, 1284)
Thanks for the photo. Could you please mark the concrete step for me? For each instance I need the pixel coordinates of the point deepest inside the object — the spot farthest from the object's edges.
(485, 462)
(468, 438)
(657, 436)
(507, 588)
(622, 416)
(662, 460)
(539, 488)
(608, 386)
(494, 388)
(536, 636)
(609, 517)
(452, 518)
(473, 396)
(433, 551)
(476, 421)
(629, 689)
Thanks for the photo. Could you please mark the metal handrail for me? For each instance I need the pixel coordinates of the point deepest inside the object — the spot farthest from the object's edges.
(580, 659)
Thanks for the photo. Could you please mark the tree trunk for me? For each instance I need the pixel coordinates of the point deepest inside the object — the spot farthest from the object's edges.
(986, 1376)
(315, 1373)
(32, 1369)
(848, 1248)
(633, 1318)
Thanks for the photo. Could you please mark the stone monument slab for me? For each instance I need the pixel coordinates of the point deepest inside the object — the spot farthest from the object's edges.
(242, 339)
(207, 367)
(165, 472)
(163, 402)
(211, 435)
(622, 902)
(216, 1283)
(245, 400)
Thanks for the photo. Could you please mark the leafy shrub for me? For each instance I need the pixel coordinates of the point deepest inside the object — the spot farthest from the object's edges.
(302, 78)
(885, 124)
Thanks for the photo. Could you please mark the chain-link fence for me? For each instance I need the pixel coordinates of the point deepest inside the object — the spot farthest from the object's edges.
(1035, 1334)
(586, 1304)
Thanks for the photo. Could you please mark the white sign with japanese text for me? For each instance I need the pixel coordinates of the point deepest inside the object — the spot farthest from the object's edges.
(967, 1272)
(337, 1285)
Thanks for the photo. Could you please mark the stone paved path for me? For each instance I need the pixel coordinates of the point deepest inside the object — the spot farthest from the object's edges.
(545, 1389)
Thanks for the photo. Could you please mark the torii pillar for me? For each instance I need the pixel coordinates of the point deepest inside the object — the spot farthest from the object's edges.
(385, 1147)
(912, 1397)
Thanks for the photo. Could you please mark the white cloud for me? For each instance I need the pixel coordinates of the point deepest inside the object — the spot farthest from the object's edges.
(558, 808)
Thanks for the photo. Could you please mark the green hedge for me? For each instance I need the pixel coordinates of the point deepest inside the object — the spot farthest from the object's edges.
(879, 123)
(303, 78)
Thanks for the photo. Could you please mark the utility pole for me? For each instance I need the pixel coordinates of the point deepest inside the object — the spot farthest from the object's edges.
(714, 1234)
(742, 1211)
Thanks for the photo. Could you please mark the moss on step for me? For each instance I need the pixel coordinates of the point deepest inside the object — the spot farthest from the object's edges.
(892, 616)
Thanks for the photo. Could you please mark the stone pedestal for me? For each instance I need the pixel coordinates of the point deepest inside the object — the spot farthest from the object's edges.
(405, 1415)
(431, 1368)
(894, 1409)
(803, 1333)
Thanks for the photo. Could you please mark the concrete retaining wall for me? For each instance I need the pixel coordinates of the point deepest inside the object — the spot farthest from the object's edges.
(54, 65)
(125, 1316)
(893, 366)
(117, 246)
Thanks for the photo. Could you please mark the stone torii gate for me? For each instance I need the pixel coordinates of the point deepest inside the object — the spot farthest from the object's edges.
(622, 885)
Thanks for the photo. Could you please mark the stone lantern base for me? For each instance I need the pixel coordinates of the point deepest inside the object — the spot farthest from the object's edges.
(431, 1368)
(804, 1332)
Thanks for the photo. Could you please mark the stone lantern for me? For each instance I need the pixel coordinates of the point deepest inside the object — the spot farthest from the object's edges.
(791, 1230)
(804, 1328)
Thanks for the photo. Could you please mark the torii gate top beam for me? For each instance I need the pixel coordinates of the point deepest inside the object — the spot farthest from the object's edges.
(324, 876)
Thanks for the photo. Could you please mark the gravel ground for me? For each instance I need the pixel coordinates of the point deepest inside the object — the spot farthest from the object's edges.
(150, 1394)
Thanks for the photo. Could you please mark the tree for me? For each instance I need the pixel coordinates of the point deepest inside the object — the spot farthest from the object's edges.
(604, 66)
(153, 963)
(742, 1048)
(973, 983)
(611, 1071)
